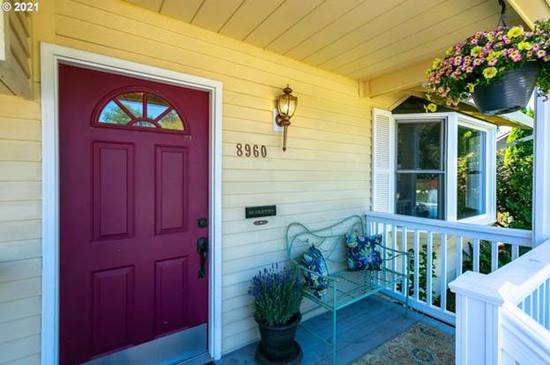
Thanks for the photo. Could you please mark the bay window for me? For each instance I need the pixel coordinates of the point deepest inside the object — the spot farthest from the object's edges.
(444, 166)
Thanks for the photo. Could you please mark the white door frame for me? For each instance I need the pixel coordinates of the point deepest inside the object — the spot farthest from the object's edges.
(51, 57)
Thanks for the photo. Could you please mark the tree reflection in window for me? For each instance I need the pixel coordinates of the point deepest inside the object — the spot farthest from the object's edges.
(141, 109)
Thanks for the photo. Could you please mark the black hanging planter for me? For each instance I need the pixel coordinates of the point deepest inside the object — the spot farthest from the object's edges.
(509, 93)
(277, 345)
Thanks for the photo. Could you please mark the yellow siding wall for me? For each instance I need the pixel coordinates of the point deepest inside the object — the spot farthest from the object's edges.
(20, 263)
(324, 174)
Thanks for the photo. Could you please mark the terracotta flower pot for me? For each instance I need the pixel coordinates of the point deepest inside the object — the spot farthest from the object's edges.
(277, 345)
(509, 93)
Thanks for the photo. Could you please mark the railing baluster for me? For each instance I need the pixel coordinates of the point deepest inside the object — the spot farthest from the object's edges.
(403, 258)
(394, 246)
(384, 244)
(494, 256)
(531, 308)
(546, 298)
(416, 264)
(515, 251)
(429, 269)
(535, 305)
(444, 272)
(540, 296)
(459, 252)
(476, 254)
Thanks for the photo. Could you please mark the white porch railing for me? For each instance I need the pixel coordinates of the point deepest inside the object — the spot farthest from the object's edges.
(502, 318)
(449, 248)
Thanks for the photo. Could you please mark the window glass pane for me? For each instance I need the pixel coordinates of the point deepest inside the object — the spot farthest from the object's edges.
(420, 195)
(133, 102)
(471, 170)
(144, 124)
(155, 106)
(171, 121)
(419, 145)
(113, 114)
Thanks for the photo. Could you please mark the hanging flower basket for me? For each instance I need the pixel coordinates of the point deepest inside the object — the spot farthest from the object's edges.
(498, 69)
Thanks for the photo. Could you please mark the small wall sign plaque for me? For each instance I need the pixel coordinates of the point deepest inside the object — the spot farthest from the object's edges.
(262, 211)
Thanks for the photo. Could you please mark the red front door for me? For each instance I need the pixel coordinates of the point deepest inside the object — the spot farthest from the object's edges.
(133, 186)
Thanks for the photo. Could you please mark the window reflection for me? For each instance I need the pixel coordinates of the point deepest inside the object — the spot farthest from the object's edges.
(129, 108)
(471, 173)
(420, 195)
(133, 102)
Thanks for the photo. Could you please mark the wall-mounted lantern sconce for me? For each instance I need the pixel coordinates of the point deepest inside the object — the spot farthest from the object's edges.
(286, 106)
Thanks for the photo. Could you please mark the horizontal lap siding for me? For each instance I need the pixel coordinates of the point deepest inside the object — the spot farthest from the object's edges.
(324, 174)
(20, 250)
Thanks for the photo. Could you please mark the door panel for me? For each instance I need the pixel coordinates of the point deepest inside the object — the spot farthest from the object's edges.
(170, 174)
(113, 190)
(131, 190)
(172, 299)
(112, 304)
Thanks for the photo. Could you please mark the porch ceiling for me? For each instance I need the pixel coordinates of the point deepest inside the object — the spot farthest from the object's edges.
(361, 39)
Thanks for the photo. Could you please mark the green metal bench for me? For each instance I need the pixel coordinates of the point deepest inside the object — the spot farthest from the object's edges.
(345, 287)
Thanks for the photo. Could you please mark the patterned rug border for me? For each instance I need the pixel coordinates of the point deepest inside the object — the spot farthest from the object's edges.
(400, 350)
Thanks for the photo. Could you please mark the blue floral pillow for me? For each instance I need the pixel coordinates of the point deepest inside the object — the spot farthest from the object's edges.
(313, 260)
(362, 252)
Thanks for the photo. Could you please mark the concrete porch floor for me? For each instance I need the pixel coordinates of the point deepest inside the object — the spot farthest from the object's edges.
(362, 327)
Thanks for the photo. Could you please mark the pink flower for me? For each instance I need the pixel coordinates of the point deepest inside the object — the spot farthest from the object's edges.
(492, 62)
(507, 40)
(541, 53)
(469, 69)
(515, 55)
(457, 60)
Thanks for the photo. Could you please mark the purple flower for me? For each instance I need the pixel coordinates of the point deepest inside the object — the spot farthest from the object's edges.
(541, 53)
(457, 60)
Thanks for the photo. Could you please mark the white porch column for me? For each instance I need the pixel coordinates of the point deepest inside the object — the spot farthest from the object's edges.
(478, 309)
(541, 173)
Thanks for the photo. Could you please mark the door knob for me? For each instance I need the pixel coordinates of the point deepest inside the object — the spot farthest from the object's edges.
(202, 222)
(202, 250)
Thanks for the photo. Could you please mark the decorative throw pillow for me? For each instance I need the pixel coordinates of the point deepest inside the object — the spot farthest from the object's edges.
(313, 260)
(362, 252)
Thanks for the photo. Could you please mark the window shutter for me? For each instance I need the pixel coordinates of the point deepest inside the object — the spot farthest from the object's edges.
(383, 161)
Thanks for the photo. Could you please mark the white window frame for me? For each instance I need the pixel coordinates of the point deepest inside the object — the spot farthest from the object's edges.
(453, 120)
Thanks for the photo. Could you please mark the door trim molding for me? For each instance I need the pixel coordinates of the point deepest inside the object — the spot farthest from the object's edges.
(51, 57)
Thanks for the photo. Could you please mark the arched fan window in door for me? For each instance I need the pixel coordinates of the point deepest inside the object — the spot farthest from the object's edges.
(139, 109)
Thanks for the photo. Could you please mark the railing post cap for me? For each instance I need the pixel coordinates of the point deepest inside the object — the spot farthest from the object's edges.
(474, 285)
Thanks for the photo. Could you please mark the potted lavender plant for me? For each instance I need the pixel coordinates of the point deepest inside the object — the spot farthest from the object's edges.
(498, 69)
(277, 296)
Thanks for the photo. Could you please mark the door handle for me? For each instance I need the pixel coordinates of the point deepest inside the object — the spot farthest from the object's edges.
(202, 250)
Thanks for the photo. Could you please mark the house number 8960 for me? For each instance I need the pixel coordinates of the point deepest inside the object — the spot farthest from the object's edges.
(251, 150)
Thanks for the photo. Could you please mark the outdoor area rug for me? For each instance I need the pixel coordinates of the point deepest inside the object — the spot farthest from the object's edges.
(419, 345)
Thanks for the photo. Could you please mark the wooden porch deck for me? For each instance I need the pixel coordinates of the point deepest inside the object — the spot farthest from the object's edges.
(362, 327)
